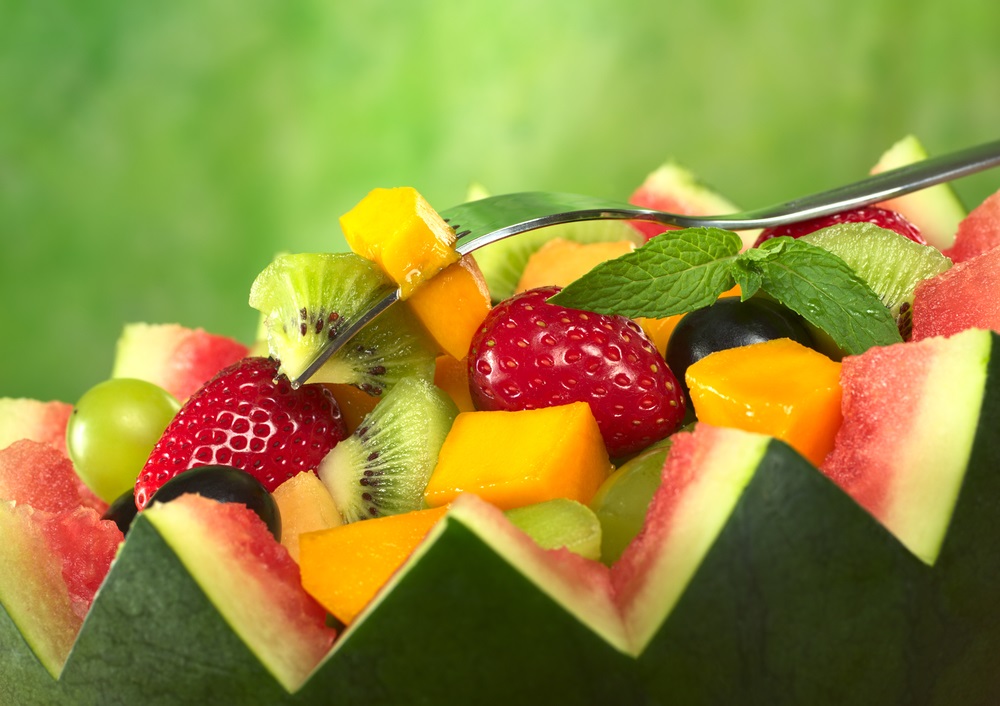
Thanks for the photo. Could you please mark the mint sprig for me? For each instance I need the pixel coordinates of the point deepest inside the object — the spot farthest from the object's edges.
(684, 270)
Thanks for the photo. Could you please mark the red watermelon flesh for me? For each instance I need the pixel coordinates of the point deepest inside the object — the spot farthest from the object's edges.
(51, 565)
(978, 232)
(251, 579)
(36, 474)
(178, 359)
(961, 298)
(674, 189)
(35, 420)
(910, 414)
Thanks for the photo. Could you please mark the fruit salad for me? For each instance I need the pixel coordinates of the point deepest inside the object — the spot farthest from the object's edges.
(596, 463)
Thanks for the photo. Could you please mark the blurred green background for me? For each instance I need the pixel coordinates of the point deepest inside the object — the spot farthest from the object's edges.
(155, 155)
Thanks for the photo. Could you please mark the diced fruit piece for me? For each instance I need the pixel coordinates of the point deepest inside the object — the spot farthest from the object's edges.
(251, 580)
(51, 565)
(622, 500)
(891, 265)
(112, 431)
(964, 297)
(511, 459)
(779, 388)
(503, 262)
(890, 220)
(224, 484)
(35, 420)
(560, 524)
(452, 376)
(979, 232)
(910, 416)
(355, 404)
(305, 505)
(306, 298)
(383, 467)
(559, 262)
(243, 418)
(171, 356)
(36, 474)
(936, 210)
(730, 323)
(344, 567)
(676, 190)
(398, 230)
(452, 305)
(531, 354)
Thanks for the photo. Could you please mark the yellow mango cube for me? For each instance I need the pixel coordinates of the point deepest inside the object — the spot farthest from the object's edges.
(398, 230)
(779, 388)
(512, 459)
(344, 567)
(452, 305)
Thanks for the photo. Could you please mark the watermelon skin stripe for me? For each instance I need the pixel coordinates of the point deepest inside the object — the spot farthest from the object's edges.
(803, 598)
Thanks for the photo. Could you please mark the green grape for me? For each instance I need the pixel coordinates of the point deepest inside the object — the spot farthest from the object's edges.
(621, 502)
(112, 430)
(560, 523)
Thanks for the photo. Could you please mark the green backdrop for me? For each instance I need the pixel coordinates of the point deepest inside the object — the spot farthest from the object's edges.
(155, 155)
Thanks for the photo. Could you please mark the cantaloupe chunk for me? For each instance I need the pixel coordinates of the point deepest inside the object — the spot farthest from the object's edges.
(560, 261)
(452, 305)
(398, 230)
(512, 459)
(305, 505)
(344, 567)
(452, 376)
(355, 404)
(779, 388)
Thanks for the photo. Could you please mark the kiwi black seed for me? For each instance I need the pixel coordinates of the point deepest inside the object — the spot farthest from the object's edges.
(383, 468)
(307, 298)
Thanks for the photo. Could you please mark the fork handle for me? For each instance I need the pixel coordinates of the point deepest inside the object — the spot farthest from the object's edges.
(507, 211)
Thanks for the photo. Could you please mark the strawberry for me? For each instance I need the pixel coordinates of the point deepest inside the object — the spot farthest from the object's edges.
(529, 353)
(244, 418)
(881, 217)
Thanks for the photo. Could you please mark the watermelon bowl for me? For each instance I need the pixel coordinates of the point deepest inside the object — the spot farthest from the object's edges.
(756, 579)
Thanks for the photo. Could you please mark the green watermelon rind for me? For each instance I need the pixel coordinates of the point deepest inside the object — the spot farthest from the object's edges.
(792, 603)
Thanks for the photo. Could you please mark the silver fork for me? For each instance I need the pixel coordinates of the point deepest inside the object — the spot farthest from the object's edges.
(479, 223)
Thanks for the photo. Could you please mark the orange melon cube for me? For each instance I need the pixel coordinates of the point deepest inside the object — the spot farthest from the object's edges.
(452, 305)
(305, 505)
(561, 261)
(452, 376)
(512, 459)
(354, 403)
(779, 388)
(398, 230)
(345, 567)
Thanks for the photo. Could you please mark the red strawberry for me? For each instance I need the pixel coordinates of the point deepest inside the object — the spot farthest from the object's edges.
(529, 354)
(866, 214)
(243, 418)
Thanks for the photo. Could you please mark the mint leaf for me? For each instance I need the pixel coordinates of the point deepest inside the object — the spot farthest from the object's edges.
(824, 290)
(676, 272)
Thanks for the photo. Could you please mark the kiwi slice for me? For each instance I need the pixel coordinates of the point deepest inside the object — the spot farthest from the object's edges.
(503, 262)
(891, 264)
(306, 298)
(384, 466)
